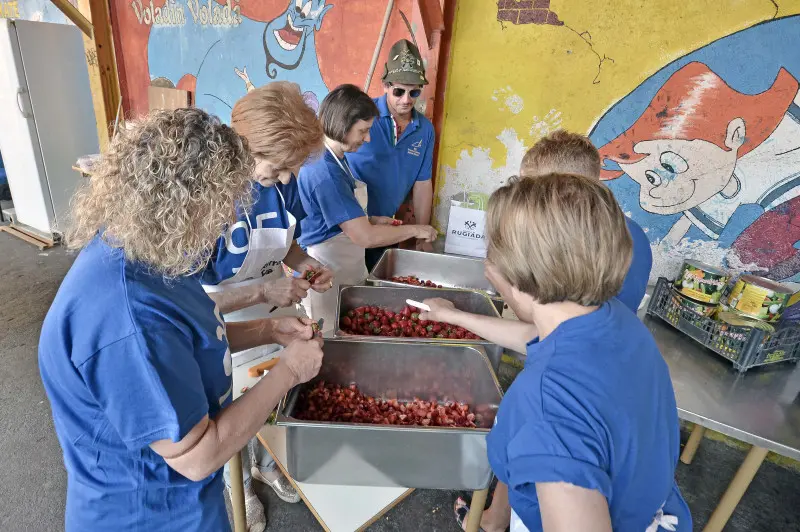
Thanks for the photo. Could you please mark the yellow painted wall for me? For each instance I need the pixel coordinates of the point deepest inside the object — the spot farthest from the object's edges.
(509, 84)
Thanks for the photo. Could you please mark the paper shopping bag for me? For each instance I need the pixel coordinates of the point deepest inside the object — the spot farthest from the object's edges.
(466, 226)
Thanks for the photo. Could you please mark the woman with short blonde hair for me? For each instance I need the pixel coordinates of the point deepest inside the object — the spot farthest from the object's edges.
(134, 357)
(587, 436)
(523, 224)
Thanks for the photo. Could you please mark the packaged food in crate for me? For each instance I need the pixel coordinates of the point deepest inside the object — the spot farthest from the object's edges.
(745, 341)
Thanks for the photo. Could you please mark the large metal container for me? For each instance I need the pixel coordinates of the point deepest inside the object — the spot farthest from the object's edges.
(394, 299)
(450, 271)
(386, 455)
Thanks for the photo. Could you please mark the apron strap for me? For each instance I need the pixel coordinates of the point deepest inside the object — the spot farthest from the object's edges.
(667, 522)
(346, 167)
(283, 201)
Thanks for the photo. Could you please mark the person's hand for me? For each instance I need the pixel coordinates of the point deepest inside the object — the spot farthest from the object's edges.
(324, 280)
(426, 233)
(382, 220)
(285, 291)
(287, 330)
(302, 358)
(441, 310)
(427, 247)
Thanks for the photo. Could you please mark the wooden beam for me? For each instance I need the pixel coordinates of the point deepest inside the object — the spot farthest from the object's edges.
(72, 13)
(30, 238)
(95, 84)
(104, 41)
(432, 16)
(443, 67)
(102, 66)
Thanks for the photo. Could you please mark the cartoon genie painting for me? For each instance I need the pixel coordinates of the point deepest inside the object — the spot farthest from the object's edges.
(286, 40)
(702, 149)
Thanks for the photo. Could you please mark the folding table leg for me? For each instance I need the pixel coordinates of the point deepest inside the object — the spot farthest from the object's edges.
(237, 493)
(691, 446)
(476, 510)
(744, 476)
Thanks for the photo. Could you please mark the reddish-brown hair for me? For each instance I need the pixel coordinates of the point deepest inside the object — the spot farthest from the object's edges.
(278, 124)
(695, 103)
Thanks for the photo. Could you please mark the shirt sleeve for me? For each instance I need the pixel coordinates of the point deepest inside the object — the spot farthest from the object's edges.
(426, 171)
(337, 202)
(555, 452)
(149, 386)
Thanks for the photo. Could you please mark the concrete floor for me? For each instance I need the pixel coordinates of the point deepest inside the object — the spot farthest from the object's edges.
(33, 481)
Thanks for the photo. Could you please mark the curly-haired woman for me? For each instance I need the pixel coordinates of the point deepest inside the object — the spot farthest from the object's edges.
(134, 356)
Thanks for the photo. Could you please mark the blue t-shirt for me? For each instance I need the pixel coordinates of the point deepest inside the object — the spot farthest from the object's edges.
(329, 199)
(267, 212)
(128, 359)
(594, 407)
(635, 284)
(390, 170)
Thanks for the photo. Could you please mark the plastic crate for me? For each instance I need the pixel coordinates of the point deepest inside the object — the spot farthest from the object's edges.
(746, 347)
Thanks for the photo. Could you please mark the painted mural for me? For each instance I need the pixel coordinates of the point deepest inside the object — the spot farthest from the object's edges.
(698, 124)
(708, 149)
(35, 10)
(220, 49)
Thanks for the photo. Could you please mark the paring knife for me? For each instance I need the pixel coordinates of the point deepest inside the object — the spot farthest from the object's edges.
(417, 304)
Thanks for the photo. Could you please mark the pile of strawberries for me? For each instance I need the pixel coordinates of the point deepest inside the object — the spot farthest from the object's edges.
(332, 402)
(415, 281)
(377, 321)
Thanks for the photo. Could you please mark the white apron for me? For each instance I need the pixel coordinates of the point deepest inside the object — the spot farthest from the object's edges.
(341, 255)
(266, 250)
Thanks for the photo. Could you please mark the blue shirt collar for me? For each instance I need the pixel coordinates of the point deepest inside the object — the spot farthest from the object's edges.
(590, 321)
(383, 107)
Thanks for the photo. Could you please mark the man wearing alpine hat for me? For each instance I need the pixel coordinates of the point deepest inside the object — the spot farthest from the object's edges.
(398, 159)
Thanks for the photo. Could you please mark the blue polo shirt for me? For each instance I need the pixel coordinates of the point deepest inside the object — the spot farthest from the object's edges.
(390, 170)
(594, 407)
(328, 197)
(635, 284)
(268, 212)
(128, 358)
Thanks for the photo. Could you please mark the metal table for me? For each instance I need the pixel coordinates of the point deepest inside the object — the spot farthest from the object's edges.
(760, 407)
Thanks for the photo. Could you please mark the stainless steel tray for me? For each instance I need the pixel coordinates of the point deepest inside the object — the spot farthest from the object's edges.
(386, 455)
(393, 298)
(447, 270)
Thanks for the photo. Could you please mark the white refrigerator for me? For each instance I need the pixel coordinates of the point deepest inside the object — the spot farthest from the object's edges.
(46, 118)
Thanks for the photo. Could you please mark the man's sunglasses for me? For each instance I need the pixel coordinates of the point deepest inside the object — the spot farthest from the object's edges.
(399, 92)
